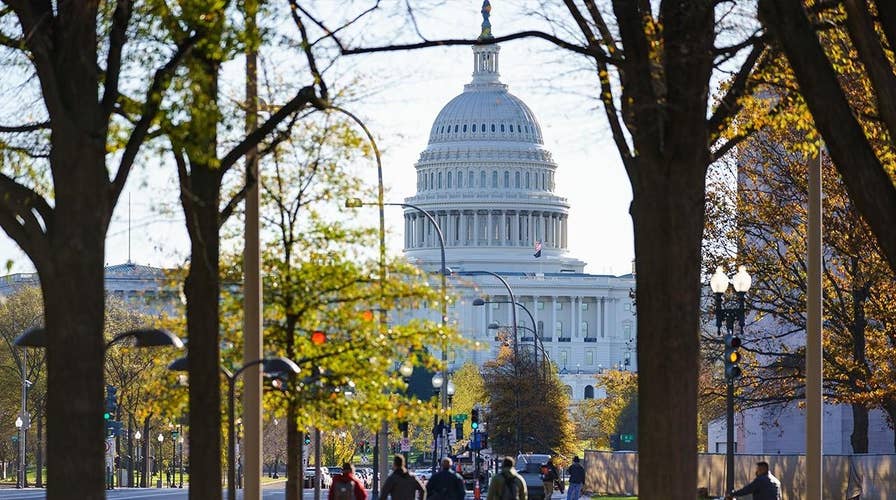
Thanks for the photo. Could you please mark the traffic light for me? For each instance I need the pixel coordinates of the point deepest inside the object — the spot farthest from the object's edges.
(474, 419)
(459, 430)
(111, 403)
(307, 438)
(318, 337)
(732, 357)
(483, 440)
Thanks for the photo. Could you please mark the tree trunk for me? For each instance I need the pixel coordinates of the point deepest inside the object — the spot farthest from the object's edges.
(201, 202)
(144, 474)
(74, 300)
(668, 330)
(859, 436)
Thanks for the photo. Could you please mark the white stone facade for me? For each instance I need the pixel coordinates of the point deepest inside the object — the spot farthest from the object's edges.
(488, 180)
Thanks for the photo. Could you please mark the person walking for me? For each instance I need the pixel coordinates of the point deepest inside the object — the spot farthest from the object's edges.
(401, 484)
(764, 487)
(549, 476)
(446, 484)
(576, 479)
(347, 486)
(507, 484)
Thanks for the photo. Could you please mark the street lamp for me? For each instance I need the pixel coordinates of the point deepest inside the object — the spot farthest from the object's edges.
(180, 441)
(479, 302)
(20, 474)
(443, 272)
(138, 436)
(519, 438)
(272, 367)
(437, 381)
(728, 316)
(160, 438)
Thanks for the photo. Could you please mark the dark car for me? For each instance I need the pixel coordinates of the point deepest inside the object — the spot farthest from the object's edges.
(529, 467)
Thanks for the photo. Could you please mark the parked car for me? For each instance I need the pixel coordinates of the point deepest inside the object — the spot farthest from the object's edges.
(423, 474)
(334, 471)
(325, 479)
(529, 467)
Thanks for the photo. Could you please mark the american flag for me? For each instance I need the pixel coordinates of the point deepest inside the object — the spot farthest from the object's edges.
(537, 249)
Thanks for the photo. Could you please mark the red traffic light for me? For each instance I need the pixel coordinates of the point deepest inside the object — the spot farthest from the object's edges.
(318, 337)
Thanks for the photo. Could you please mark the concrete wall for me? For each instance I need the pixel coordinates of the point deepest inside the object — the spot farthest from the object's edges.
(617, 474)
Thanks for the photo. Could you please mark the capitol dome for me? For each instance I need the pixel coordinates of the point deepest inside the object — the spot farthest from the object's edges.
(488, 180)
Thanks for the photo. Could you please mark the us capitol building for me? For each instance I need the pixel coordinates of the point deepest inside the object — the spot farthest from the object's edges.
(489, 181)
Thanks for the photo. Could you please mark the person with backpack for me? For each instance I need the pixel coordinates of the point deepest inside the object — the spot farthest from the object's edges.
(347, 486)
(576, 479)
(549, 476)
(446, 484)
(401, 484)
(507, 484)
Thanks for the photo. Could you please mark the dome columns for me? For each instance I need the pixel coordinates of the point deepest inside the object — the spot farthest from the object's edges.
(488, 228)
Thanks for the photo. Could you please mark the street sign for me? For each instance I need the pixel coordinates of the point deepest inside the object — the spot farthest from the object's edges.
(460, 418)
(364, 459)
(627, 438)
(405, 444)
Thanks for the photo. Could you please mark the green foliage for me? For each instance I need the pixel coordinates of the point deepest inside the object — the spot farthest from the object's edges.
(469, 391)
(521, 397)
(614, 413)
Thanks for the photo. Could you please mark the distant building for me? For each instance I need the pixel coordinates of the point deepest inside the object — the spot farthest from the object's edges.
(489, 181)
(144, 287)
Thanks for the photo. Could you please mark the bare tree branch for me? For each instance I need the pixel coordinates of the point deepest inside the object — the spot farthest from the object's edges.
(153, 101)
(117, 38)
(28, 127)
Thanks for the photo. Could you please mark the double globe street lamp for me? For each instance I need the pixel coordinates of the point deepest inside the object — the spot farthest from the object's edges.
(728, 317)
(271, 367)
(439, 428)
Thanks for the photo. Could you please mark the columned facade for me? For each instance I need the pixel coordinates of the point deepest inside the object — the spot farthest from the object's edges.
(488, 180)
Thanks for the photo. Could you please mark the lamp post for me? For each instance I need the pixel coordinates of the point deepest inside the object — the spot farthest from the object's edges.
(138, 436)
(728, 316)
(273, 366)
(20, 474)
(159, 438)
(437, 381)
(180, 441)
(479, 302)
(443, 272)
(519, 438)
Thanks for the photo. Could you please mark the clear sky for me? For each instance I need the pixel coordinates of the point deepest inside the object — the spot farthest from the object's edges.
(407, 90)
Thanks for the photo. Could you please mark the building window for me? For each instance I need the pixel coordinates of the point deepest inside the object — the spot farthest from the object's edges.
(494, 178)
(516, 177)
(483, 128)
(495, 305)
(540, 328)
(539, 305)
(506, 179)
(471, 178)
(558, 327)
(564, 357)
(502, 127)
(474, 127)
(511, 127)
(627, 332)
(493, 127)
(568, 387)
(440, 180)
(455, 128)
(559, 306)
(584, 306)
(482, 179)
(465, 127)
(589, 392)
(460, 179)
(527, 181)
(449, 180)
(589, 357)
(584, 328)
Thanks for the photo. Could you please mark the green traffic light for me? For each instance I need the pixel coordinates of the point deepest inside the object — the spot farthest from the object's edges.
(475, 425)
(107, 416)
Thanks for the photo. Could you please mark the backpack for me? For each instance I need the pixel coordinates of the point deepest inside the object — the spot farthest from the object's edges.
(511, 488)
(343, 490)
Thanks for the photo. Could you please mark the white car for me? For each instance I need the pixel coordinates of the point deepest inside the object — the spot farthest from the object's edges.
(423, 474)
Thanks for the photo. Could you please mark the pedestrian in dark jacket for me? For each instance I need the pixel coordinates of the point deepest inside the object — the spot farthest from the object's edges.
(764, 487)
(549, 475)
(401, 484)
(576, 479)
(446, 484)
